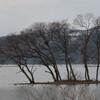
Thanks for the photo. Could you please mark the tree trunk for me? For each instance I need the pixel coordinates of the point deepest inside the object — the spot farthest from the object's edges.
(71, 70)
(87, 77)
(66, 59)
(98, 60)
(66, 62)
(58, 77)
(30, 80)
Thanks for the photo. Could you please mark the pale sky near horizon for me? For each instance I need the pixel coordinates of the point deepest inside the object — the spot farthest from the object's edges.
(16, 15)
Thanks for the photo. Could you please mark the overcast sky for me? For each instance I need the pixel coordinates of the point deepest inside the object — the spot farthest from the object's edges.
(16, 15)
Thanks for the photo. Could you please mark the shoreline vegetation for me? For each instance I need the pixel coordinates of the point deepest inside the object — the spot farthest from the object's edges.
(78, 82)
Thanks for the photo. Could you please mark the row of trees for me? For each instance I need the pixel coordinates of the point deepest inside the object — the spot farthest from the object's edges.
(47, 42)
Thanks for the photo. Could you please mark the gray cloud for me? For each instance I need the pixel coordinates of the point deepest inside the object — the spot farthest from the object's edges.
(15, 15)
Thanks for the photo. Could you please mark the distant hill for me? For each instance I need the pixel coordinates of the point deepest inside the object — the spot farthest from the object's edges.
(76, 37)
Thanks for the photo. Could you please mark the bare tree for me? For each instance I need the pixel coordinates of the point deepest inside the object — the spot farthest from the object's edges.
(85, 22)
(96, 39)
(13, 48)
(39, 41)
(48, 42)
(62, 40)
(33, 43)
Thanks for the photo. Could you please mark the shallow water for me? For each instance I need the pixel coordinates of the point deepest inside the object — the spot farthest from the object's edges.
(9, 75)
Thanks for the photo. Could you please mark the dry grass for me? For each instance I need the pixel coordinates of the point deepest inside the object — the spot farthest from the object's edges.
(61, 92)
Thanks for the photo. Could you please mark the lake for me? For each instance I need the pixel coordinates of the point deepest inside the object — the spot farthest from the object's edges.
(9, 74)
